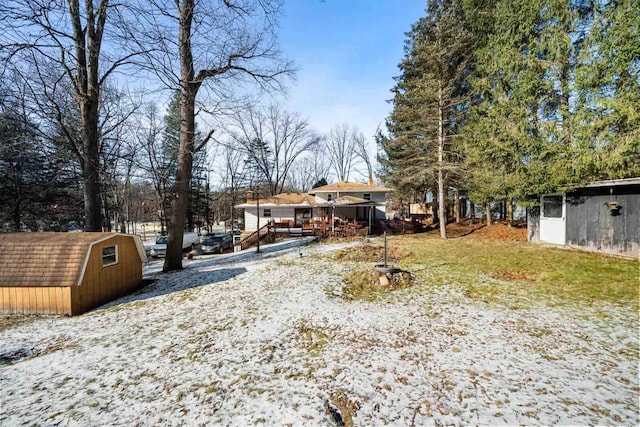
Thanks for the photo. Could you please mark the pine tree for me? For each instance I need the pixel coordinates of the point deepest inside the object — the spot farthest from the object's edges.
(428, 101)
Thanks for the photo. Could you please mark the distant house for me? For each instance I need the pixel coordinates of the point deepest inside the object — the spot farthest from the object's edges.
(602, 216)
(322, 209)
(67, 273)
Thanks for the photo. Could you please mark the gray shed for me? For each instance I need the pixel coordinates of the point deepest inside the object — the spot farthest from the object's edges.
(601, 216)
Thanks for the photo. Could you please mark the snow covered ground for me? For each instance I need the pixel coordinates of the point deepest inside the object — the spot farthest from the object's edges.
(246, 339)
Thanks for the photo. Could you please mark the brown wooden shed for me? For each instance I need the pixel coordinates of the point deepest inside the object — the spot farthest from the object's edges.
(67, 273)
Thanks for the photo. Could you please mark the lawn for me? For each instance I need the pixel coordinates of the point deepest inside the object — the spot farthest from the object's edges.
(516, 273)
(489, 333)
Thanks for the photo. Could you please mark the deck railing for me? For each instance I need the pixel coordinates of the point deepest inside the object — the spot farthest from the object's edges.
(263, 233)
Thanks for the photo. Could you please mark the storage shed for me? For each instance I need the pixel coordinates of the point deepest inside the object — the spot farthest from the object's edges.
(602, 216)
(67, 273)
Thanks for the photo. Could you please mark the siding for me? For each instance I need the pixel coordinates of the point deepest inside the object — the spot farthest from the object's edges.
(278, 214)
(591, 226)
(99, 285)
(35, 300)
(103, 284)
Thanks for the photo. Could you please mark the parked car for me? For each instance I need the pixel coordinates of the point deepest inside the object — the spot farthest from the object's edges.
(216, 243)
(189, 241)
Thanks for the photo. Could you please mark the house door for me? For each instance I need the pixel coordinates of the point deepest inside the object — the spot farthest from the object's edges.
(552, 219)
(303, 216)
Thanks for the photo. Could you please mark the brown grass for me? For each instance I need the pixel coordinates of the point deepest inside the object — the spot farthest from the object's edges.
(364, 284)
(347, 408)
(368, 253)
(536, 272)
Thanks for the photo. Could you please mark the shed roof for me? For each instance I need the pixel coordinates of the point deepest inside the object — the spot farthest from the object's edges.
(611, 183)
(349, 186)
(49, 259)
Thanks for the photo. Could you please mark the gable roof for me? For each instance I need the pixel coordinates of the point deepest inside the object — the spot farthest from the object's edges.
(49, 259)
(284, 199)
(349, 200)
(349, 186)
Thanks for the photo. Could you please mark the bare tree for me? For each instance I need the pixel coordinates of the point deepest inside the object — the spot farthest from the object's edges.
(158, 162)
(273, 140)
(219, 45)
(309, 170)
(300, 176)
(362, 153)
(231, 167)
(60, 43)
(341, 149)
(117, 150)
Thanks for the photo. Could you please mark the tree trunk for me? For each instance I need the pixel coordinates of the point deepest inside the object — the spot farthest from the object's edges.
(91, 168)
(509, 211)
(180, 200)
(456, 206)
(189, 89)
(434, 210)
(472, 212)
(488, 208)
(17, 210)
(441, 205)
(88, 93)
(564, 103)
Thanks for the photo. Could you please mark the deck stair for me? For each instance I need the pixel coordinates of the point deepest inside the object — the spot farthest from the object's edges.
(265, 234)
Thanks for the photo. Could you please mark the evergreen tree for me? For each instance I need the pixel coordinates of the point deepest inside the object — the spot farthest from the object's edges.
(428, 102)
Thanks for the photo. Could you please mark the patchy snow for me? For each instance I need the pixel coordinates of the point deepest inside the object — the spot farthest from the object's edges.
(245, 339)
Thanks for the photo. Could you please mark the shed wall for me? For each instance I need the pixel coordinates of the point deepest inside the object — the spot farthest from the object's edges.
(103, 284)
(590, 224)
(100, 285)
(35, 300)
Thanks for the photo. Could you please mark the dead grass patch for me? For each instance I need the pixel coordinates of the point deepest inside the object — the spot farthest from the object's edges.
(367, 284)
(369, 253)
(312, 338)
(515, 275)
(501, 231)
(341, 408)
(11, 321)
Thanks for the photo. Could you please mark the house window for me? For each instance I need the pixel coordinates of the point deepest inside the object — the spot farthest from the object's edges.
(328, 197)
(552, 206)
(109, 256)
(267, 213)
(366, 196)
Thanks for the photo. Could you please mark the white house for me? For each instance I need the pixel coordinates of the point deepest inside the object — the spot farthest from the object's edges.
(321, 209)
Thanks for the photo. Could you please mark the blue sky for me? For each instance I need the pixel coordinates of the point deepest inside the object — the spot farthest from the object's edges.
(347, 53)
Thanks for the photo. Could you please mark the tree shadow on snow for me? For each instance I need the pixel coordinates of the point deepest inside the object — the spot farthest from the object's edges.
(202, 272)
(178, 282)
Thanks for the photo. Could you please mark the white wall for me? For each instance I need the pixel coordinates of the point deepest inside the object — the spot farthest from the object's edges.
(278, 214)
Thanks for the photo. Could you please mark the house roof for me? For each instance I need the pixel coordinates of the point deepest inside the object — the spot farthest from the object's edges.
(610, 183)
(284, 199)
(349, 186)
(49, 259)
(349, 200)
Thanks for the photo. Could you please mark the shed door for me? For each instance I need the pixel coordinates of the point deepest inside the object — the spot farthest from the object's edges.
(552, 219)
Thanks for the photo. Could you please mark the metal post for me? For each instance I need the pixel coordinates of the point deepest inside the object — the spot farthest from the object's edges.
(258, 220)
(385, 248)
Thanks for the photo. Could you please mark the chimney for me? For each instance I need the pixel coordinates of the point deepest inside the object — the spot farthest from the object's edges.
(249, 196)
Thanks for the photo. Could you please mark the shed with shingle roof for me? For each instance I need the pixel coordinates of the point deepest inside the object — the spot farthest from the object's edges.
(67, 273)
